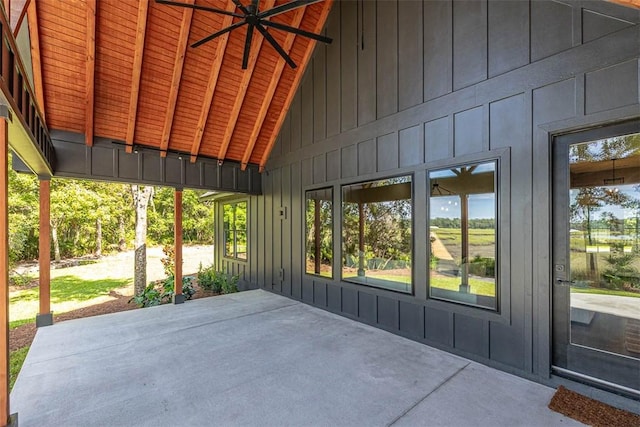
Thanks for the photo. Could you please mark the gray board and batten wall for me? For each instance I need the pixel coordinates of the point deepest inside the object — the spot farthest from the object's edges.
(407, 87)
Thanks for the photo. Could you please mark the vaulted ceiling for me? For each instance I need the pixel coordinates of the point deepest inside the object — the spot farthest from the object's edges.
(124, 70)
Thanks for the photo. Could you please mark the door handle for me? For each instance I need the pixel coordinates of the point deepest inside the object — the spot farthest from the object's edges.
(564, 282)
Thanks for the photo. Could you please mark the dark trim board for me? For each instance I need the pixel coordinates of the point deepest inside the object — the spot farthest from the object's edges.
(481, 78)
(108, 161)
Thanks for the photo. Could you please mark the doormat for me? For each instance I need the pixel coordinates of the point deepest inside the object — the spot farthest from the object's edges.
(590, 411)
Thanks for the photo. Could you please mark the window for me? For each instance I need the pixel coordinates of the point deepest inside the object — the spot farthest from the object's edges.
(462, 234)
(376, 233)
(235, 230)
(319, 233)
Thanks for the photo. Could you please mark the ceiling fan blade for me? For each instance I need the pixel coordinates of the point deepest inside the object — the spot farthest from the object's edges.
(286, 7)
(247, 47)
(198, 7)
(276, 46)
(240, 6)
(219, 33)
(295, 30)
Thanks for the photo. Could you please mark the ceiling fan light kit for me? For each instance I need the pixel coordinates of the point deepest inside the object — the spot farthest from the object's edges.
(255, 19)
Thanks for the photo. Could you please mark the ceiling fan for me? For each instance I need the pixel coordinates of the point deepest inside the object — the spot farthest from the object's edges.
(254, 18)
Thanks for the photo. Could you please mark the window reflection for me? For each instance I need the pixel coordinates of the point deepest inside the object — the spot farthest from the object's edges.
(462, 234)
(319, 232)
(376, 233)
(604, 234)
(235, 230)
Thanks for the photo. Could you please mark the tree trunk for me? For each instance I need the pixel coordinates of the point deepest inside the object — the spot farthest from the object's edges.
(98, 237)
(141, 197)
(122, 240)
(56, 243)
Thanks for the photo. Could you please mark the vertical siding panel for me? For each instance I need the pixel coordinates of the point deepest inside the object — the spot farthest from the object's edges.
(387, 63)
(297, 231)
(254, 240)
(438, 49)
(348, 65)
(319, 93)
(367, 62)
(295, 112)
(268, 229)
(508, 35)
(276, 238)
(306, 100)
(410, 48)
(286, 230)
(333, 72)
(469, 42)
(285, 136)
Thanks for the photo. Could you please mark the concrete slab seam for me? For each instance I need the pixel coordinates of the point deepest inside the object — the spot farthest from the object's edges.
(166, 333)
(409, 409)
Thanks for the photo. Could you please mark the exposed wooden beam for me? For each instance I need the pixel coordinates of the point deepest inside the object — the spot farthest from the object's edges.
(296, 82)
(242, 89)
(185, 28)
(141, 27)
(90, 68)
(44, 248)
(23, 12)
(271, 89)
(628, 3)
(34, 35)
(211, 84)
(4, 276)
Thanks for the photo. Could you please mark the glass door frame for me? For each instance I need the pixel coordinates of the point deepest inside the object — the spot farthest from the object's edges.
(600, 368)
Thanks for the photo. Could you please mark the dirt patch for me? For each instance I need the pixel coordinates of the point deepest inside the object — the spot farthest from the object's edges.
(590, 411)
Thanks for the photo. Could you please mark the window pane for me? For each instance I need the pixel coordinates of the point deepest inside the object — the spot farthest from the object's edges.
(319, 233)
(235, 230)
(462, 225)
(376, 233)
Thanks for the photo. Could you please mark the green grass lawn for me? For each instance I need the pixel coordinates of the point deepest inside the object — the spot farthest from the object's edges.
(16, 359)
(67, 294)
(478, 287)
(477, 236)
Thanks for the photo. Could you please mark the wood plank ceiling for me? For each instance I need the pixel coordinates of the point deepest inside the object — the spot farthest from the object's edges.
(123, 70)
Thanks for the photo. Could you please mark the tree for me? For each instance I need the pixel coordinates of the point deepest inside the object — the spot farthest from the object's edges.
(141, 198)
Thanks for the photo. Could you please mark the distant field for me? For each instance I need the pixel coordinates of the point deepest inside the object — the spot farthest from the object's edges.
(481, 241)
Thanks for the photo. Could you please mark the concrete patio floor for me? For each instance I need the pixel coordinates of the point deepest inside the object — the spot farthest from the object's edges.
(255, 358)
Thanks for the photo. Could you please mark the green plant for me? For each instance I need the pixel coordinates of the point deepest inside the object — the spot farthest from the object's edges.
(229, 283)
(207, 279)
(148, 298)
(162, 292)
(217, 281)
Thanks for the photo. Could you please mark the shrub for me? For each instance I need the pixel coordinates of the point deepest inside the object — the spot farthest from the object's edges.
(217, 281)
(162, 292)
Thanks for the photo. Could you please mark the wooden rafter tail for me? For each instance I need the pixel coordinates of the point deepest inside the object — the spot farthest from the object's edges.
(141, 27)
(34, 35)
(211, 84)
(23, 13)
(296, 81)
(242, 90)
(271, 90)
(90, 69)
(181, 52)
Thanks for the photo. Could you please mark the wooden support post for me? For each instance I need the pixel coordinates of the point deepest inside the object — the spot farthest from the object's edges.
(45, 317)
(4, 276)
(177, 238)
(361, 272)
